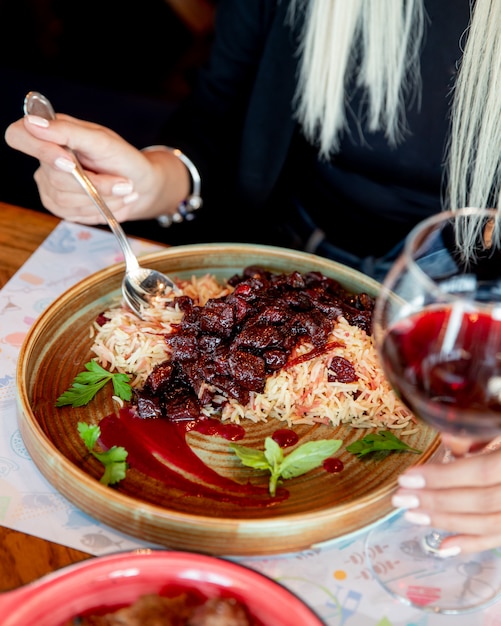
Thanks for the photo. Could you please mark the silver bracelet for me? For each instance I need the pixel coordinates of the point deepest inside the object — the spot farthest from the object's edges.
(193, 202)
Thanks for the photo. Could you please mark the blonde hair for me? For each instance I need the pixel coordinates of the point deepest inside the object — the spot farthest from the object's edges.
(376, 44)
(474, 147)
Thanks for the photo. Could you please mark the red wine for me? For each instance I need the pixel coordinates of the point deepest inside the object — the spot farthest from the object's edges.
(446, 365)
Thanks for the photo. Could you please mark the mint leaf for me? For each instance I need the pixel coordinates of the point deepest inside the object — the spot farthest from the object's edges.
(309, 456)
(114, 459)
(377, 442)
(303, 459)
(274, 456)
(251, 457)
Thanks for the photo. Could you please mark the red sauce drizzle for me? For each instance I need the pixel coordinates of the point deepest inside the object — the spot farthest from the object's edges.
(333, 465)
(285, 437)
(158, 448)
(232, 432)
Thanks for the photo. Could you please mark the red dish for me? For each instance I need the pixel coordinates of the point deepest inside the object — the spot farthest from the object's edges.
(120, 579)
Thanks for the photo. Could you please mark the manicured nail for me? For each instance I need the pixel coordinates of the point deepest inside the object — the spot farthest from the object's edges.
(412, 481)
(66, 165)
(37, 121)
(449, 551)
(417, 518)
(132, 197)
(405, 502)
(122, 189)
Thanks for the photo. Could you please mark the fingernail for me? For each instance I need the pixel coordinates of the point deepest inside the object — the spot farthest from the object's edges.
(417, 518)
(122, 189)
(450, 551)
(405, 502)
(37, 121)
(411, 481)
(131, 197)
(66, 165)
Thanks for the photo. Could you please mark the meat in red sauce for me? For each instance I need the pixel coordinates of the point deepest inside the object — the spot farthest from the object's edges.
(235, 342)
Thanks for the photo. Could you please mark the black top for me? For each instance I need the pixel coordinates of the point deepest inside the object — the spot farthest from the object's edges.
(238, 127)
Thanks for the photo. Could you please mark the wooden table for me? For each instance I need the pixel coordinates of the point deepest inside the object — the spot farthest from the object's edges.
(24, 558)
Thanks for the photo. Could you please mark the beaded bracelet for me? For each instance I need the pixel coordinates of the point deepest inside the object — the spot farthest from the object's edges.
(193, 202)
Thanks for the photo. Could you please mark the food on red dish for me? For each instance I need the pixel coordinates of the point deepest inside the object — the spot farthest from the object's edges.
(182, 610)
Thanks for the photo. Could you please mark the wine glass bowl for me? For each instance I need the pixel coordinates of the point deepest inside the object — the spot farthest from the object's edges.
(437, 329)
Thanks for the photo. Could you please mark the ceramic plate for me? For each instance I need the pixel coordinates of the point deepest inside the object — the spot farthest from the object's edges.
(120, 579)
(320, 505)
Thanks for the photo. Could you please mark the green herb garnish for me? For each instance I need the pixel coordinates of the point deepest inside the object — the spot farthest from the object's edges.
(304, 458)
(88, 383)
(384, 441)
(114, 459)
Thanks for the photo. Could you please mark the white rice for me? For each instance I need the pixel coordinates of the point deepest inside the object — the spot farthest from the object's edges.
(298, 394)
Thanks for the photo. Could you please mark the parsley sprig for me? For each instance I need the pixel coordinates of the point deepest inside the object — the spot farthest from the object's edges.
(114, 459)
(304, 458)
(383, 442)
(86, 384)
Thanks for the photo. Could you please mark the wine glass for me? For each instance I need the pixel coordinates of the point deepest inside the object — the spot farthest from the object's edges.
(437, 329)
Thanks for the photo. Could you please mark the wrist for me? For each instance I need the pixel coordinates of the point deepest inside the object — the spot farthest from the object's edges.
(193, 201)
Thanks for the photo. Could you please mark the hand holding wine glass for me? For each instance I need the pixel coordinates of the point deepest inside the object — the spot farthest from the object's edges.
(463, 497)
(437, 327)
